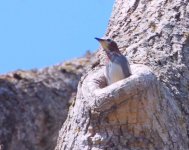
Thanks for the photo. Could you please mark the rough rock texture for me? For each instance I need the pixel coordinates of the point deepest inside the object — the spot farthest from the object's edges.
(34, 104)
(154, 33)
(113, 116)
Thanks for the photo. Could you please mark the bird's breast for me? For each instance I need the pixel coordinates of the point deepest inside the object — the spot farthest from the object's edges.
(114, 73)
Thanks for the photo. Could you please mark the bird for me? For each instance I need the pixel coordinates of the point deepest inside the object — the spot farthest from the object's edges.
(117, 65)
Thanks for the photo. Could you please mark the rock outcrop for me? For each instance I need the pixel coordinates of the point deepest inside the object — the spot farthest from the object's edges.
(147, 111)
(34, 104)
(155, 34)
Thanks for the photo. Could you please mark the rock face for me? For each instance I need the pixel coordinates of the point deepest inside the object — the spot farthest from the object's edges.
(113, 116)
(147, 111)
(155, 34)
(34, 104)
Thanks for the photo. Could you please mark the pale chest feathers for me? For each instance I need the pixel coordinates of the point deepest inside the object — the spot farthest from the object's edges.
(114, 73)
(117, 68)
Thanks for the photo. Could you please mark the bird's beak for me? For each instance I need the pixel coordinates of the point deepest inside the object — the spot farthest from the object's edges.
(98, 39)
(103, 43)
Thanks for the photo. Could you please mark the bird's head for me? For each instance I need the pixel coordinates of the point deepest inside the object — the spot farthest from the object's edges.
(108, 45)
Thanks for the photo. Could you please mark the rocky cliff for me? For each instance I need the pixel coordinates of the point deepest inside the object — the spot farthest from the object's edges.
(34, 104)
(149, 110)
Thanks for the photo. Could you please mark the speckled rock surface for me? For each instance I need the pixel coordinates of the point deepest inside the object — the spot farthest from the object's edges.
(34, 104)
(154, 33)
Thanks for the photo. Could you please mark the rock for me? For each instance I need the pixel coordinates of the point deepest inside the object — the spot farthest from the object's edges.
(34, 104)
(155, 34)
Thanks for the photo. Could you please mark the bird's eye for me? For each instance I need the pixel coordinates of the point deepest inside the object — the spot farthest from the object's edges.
(109, 40)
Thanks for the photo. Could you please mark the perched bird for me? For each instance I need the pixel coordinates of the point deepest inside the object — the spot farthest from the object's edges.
(117, 65)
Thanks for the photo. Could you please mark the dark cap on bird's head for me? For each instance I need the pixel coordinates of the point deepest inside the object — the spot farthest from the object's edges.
(108, 44)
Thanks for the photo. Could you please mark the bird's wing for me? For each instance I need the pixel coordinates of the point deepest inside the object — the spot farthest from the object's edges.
(123, 62)
(107, 73)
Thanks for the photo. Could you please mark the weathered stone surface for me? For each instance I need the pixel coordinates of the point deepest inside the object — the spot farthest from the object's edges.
(34, 104)
(147, 111)
(153, 33)
(103, 114)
